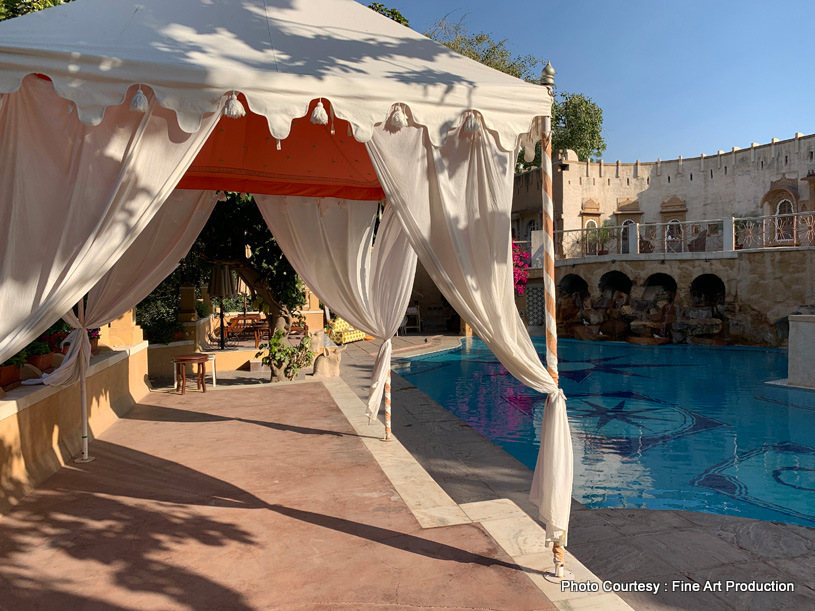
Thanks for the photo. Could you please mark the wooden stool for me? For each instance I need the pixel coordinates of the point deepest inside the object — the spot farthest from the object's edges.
(181, 361)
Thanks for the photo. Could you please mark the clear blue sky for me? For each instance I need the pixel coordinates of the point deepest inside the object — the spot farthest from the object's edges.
(672, 78)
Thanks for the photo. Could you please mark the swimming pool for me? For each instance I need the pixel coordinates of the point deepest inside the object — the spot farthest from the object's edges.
(669, 427)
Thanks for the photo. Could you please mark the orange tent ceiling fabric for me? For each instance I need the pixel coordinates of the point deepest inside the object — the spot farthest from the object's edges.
(241, 155)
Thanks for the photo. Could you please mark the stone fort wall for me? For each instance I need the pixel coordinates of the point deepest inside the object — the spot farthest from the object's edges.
(732, 183)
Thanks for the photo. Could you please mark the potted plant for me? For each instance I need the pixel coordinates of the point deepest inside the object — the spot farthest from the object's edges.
(606, 235)
(93, 336)
(39, 355)
(285, 361)
(10, 370)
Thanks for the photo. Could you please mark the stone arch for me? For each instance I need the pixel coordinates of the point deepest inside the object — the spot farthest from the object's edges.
(572, 298)
(615, 281)
(707, 290)
(572, 284)
(660, 287)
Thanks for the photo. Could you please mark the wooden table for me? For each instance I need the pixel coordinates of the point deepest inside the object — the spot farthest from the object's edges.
(181, 361)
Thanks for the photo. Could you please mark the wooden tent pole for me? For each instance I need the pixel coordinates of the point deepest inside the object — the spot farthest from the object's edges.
(549, 283)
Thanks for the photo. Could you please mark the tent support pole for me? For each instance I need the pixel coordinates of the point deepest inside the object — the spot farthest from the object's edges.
(83, 396)
(388, 434)
(549, 282)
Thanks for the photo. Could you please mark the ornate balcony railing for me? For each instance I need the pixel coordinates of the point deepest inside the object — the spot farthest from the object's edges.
(796, 230)
(676, 237)
(681, 236)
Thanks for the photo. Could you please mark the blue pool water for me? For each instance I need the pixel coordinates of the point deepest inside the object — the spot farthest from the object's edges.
(668, 427)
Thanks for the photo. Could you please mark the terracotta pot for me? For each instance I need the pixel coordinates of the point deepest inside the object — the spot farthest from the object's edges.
(40, 361)
(9, 374)
(94, 346)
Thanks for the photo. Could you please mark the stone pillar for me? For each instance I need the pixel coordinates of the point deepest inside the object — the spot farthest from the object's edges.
(536, 260)
(207, 299)
(187, 313)
(728, 235)
(801, 351)
(634, 239)
(466, 330)
(123, 331)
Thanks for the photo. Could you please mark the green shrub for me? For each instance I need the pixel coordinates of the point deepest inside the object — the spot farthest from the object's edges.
(279, 353)
(18, 360)
(202, 309)
(37, 348)
(230, 305)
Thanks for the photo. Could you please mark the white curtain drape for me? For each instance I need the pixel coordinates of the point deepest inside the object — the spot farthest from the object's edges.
(151, 258)
(74, 197)
(455, 203)
(328, 242)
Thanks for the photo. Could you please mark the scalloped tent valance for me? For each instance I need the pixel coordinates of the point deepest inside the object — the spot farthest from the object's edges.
(280, 54)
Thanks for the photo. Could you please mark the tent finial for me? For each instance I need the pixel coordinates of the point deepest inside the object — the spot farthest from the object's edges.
(234, 109)
(398, 118)
(139, 101)
(319, 116)
(471, 125)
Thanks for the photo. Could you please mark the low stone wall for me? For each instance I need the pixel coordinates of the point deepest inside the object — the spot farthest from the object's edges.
(40, 426)
(762, 287)
(800, 369)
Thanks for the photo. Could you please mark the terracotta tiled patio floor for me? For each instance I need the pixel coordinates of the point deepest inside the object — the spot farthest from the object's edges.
(250, 498)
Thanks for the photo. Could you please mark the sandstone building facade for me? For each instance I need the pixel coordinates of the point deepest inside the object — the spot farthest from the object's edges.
(761, 180)
(690, 273)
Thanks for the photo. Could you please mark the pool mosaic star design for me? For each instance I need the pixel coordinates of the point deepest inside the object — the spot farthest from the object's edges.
(669, 427)
(633, 425)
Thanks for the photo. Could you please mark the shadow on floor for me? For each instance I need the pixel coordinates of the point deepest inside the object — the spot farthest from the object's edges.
(136, 514)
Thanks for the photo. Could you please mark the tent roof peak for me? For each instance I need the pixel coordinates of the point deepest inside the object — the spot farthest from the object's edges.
(280, 54)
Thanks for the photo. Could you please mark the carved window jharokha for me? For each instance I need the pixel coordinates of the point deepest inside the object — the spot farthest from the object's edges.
(784, 224)
(674, 236)
(627, 227)
(590, 238)
(534, 225)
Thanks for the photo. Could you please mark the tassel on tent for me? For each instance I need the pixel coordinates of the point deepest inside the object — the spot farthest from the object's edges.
(278, 144)
(350, 131)
(138, 102)
(319, 116)
(331, 118)
(234, 109)
(471, 125)
(398, 118)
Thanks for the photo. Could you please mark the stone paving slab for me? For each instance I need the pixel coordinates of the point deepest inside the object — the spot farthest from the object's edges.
(237, 499)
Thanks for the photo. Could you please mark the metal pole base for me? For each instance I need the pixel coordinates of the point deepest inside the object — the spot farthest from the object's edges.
(82, 459)
(556, 575)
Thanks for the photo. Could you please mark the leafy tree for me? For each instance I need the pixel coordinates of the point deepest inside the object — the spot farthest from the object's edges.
(237, 224)
(577, 124)
(15, 8)
(390, 13)
(483, 49)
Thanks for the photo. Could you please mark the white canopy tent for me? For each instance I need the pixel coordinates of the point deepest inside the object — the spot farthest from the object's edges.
(107, 106)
